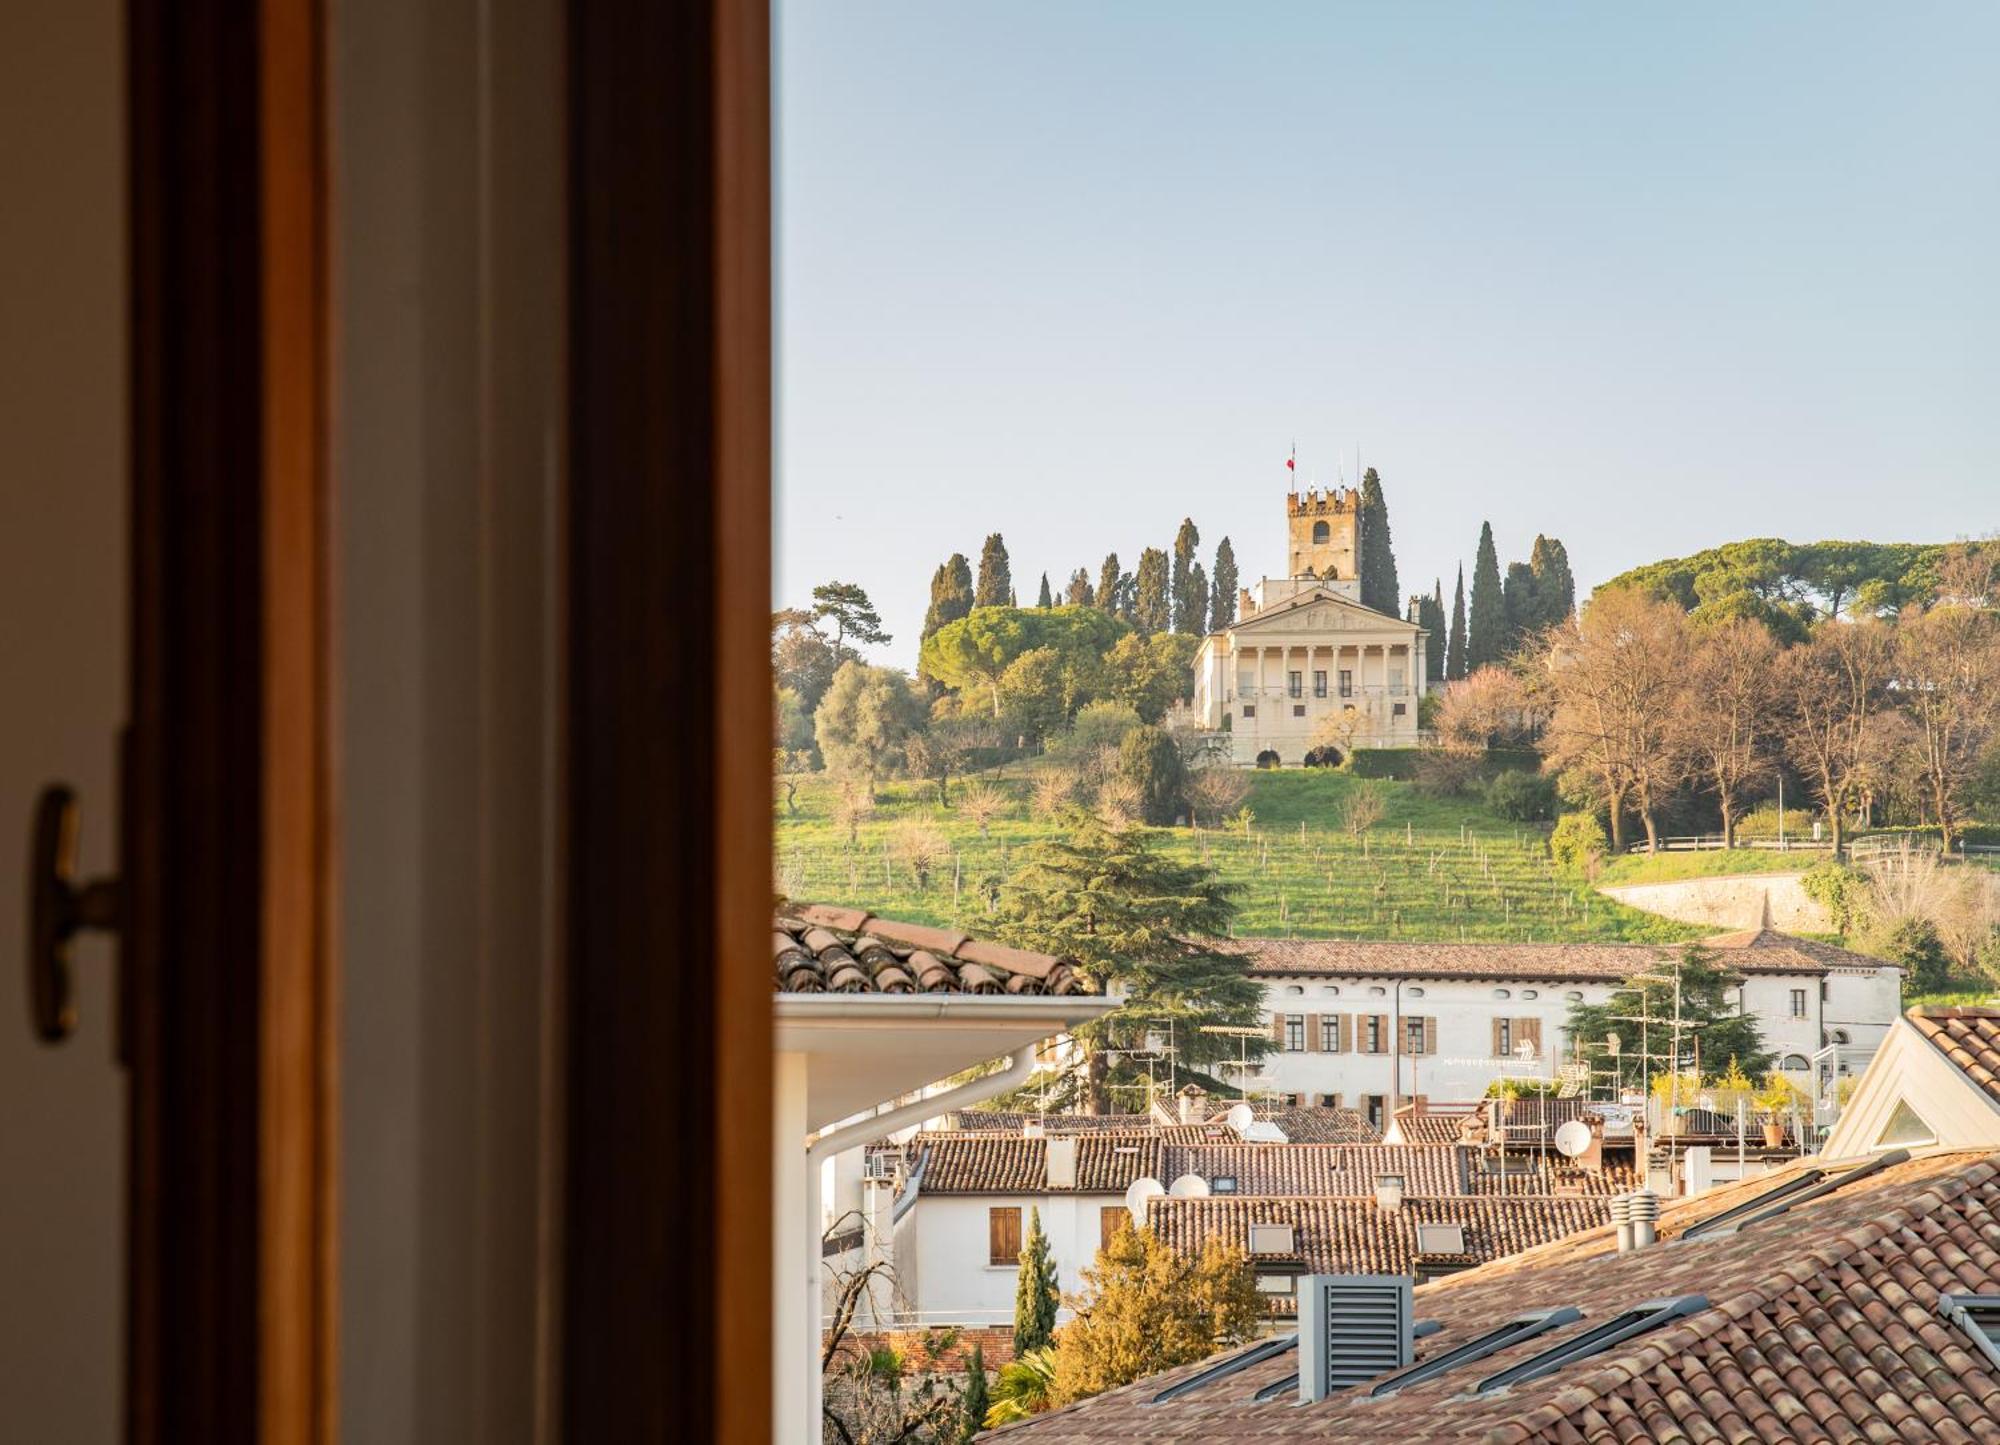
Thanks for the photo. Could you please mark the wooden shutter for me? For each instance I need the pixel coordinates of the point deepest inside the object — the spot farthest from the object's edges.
(1530, 1031)
(1430, 1034)
(1383, 1043)
(1278, 1029)
(1498, 1052)
(1110, 1219)
(1312, 1033)
(1003, 1234)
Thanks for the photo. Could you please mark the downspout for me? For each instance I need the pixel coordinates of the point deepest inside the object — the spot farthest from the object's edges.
(1392, 1133)
(1020, 1067)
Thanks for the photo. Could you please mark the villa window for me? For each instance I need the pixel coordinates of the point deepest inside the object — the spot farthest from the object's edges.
(1373, 1104)
(1295, 1033)
(1298, 709)
(1319, 682)
(1374, 1033)
(1003, 1235)
(1413, 1030)
(1249, 709)
(1295, 683)
(1347, 682)
(1401, 708)
(1798, 1003)
(1320, 533)
(1329, 1034)
(1503, 1037)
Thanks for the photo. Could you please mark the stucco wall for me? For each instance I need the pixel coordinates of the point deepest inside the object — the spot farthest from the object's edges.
(1733, 902)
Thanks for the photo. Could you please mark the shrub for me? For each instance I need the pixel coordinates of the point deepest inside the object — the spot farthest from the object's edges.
(1763, 823)
(1448, 772)
(1150, 761)
(1215, 792)
(1521, 797)
(1099, 725)
(1400, 764)
(1053, 791)
(1578, 842)
(1913, 944)
(1842, 891)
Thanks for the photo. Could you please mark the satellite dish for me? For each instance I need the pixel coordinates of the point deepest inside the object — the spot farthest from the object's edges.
(1265, 1132)
(1572, 1138)
(1136, 1195)
(1240, 1117)
(1188, 1186)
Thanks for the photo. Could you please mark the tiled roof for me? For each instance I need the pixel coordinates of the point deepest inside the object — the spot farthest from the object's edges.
(1766, 950)
(1328, 1126)
(1319, 1169)
(1419, 1128)
(1527, 962)
(971, 1120)
(1356, 1236)
(1969, 1037)
(819, 949)
(1822, 1325)
(985, 1162)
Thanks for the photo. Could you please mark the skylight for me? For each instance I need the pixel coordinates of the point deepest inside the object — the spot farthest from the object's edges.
(1636, 1321)
(1790, 1195)
(1905, 1126)
(1979, 1316)
(1521, 1327)
(1222, 1370)
(1436, 1238)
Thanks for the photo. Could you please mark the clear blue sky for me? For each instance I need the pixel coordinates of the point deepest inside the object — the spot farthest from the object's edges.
(1647, 281)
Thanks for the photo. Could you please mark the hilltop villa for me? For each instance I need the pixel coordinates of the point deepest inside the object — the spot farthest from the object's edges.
(1303, 649)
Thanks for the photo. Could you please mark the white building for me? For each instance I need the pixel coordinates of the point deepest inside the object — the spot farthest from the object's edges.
(1361, 1024)
(868, 1012)
(1934, 1083)
(1305, 663)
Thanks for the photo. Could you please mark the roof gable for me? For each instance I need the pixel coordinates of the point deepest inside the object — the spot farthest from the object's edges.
(1321, 610)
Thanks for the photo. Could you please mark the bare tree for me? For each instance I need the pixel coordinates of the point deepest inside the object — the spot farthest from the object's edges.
(1611, 678)
(1722, 723)
(1947, 682)
(1054, 790)
(1829, 692)
(982, 803)
(1216, 792)
(1119, 801)
(878, 1395)
(853, 805)
(920, 844)
(1364, 807)
(1491, 708)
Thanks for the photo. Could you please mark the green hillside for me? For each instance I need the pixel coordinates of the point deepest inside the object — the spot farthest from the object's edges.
(1432, 869)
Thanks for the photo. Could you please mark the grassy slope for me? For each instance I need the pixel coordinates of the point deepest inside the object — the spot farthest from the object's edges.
(1433, 869)
(1714, 863)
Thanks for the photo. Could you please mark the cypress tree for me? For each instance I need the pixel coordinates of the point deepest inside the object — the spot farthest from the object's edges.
(1379, 588)
(975, 1402)
(1486, 617)
(1555, 588)
(1521, 606)
(996, 580)
(1439, 640)
(1185, 618)
(1198, 599)
(1047, 599)
(1080, 593)
(951, 593)
(1222, 585)
(1152, 608)
(1035, 1291)
(1454, 661)
(1107, 583)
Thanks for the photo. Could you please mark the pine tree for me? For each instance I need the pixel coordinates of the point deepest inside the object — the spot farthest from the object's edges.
(1222, 589)
(951, 594)
(974, 1402)
(1080, 593)
(1379, 587)
(1185, 618)
(1141, 919)
(854, 617)
(1486, 618)
(1107, 584)
(1555, 588)
(1198, 599)
(1035, 1293)
(1152, 608)
(1047, 599)
(996, 581)
(1707, 1011)
(1521, 605)
(1455, 653)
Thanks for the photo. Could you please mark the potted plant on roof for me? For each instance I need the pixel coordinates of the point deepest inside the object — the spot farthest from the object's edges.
(1673, 1093)
(1777, 1099)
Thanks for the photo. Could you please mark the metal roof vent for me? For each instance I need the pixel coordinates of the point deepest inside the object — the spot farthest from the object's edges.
(1352, 1327)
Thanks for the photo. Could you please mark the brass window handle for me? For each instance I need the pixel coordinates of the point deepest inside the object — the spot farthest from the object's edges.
(59, 908)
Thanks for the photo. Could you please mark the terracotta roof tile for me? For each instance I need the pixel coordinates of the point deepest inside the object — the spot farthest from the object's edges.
(1320, 1169)
(985, 1162)
(1969, 1037)
(1536, 962)
(1328, 1126)
(970, 1120)
(1822, 1325)
(820, 949)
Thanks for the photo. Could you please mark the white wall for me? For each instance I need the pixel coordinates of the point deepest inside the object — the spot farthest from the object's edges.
(941, 1252)
(62, 662)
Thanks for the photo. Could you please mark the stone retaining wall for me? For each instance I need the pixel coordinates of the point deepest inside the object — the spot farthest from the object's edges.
(1729, 903)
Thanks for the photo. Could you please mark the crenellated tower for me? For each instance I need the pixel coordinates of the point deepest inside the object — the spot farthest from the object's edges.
(1324, 534)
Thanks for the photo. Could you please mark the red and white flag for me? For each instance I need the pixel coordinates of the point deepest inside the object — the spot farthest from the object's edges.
(1292, 461)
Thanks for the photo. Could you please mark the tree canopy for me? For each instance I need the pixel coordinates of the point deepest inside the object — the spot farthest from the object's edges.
(1789, 586)
(974, 653)
(996, 578)
(1223, 583)
(1707, 1012)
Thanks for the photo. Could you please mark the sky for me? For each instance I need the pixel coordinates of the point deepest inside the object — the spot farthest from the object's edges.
(1645, 279)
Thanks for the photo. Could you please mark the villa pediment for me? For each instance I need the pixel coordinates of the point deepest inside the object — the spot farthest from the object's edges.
(1326, 612)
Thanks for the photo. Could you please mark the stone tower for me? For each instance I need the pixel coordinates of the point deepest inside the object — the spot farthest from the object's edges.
(1324, 534)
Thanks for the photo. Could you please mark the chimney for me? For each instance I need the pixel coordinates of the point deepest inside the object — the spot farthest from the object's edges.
(1621, 1215)
(1193, 1104)
(1388, 1192)
(1061, 1161)
(1352, 1327)
(1645, 1208)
